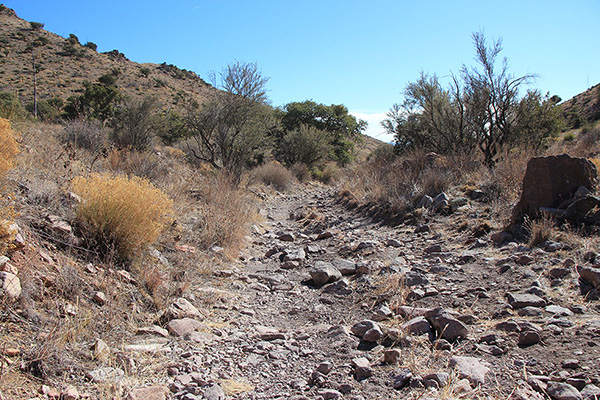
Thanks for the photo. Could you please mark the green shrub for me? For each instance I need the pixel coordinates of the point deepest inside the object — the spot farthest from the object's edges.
(36, 25)
(11, 107)
(119, 214)
(569, 137)
(91, 45)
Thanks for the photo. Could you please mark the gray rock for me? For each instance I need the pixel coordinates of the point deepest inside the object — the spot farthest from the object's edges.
(362, 368)
(328, 394)
(360, 328)
(590, 275)
(558, 310)
(323, 273)
(470, 368)
(340, 287)
(413, 278)
(518, 300)
(441, 378)
(425, 202)
(325, 367)
(106, 374)
(346, 267)
(391, 356)
(563, 391)
(446, 325)
(10, 286)
(214, 392)
(591, 392)
(373, 335)
(401, 378)
(417, 326)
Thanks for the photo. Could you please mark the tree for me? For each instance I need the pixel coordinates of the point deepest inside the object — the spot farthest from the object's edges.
(430, 117)
(538, 119)
(97, 101)
(479, 109)
(231, 128)
(341, 127)
(491, 98)
(307, 145)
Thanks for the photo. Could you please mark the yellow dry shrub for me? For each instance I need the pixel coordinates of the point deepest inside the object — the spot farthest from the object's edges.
(8, 152)
(120, 213)
(8, 147)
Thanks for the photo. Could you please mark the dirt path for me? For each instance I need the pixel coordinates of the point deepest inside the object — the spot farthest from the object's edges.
(275, 333)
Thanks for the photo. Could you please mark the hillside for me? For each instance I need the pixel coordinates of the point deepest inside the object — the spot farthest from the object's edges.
(63, 66)
(584, 107)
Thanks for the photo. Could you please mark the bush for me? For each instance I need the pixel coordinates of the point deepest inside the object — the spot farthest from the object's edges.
(300, 171)
(330, 174)
(91, 45)
(273, 174)
(8, 147)
(10, 106)
(85, 134)
(8, 152)
(119, 214)
(36, 25)
(135, 123)
(224, 213)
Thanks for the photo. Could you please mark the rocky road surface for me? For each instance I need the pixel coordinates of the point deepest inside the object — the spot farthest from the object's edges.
(327, 304)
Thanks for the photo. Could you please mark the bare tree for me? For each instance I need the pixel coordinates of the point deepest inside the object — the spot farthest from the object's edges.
(491, 97)
(230, 128)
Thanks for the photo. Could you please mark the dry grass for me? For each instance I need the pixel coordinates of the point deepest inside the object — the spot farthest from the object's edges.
(273, 174)
(124, 214)
(224, 213)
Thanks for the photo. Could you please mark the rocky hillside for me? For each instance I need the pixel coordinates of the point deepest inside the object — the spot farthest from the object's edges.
(583, 108)
(64, 64)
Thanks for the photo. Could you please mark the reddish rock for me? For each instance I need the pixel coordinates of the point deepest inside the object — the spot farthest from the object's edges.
(550, 181)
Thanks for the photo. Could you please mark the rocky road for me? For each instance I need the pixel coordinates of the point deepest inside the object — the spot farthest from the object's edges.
(327, 304)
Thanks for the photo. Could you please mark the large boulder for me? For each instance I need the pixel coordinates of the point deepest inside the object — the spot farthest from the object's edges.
(549, 182)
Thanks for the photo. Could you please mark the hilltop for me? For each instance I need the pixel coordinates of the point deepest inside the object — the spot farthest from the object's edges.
(64, 64)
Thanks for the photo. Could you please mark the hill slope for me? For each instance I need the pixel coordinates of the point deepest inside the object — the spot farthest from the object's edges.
(63, 65)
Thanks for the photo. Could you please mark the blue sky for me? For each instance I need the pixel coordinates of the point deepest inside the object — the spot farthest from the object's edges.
(357, 53)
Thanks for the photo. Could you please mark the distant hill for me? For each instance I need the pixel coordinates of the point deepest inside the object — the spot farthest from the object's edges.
(583, 108)
(64, 64)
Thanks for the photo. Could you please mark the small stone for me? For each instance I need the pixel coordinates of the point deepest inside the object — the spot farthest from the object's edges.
(558, 310)
(70, 393)
(518, 300)
(286, 237)
(328, 394)
(101, 350)
(529, 338)
(106, 374)
(10, 285)
(401, 378)
(470, 368)
(214, 392)
(446, 325)
(570, 364)
(359, 329)
(362, 368)
(391, 356)
(324, 272)
(100, 298)
(148, 393)
(325, 367)
(181, 327)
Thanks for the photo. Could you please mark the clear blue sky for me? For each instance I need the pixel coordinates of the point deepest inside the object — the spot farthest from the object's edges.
(358, 53)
